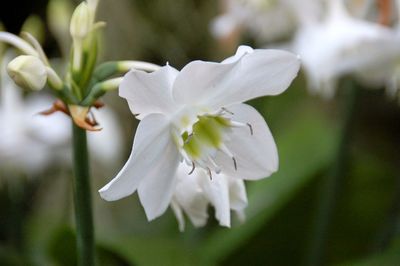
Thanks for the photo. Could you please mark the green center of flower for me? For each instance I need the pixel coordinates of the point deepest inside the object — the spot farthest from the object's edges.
(207, 135)
(201, 142)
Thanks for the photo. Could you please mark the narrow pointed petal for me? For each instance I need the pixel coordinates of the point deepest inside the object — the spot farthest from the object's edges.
(255, 154)
(149, 93)
(151, 157)
(217, 192)
(247, 75)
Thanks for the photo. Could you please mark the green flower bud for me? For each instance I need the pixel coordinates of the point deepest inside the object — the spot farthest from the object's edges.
(28, 72)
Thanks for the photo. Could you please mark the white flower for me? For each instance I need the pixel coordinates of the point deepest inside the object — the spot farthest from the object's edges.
(196, 117)
(265, 20)
(341, 45)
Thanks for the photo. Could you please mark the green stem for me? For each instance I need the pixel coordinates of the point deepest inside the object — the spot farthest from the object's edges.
(82, 199)
(332, 183)
(391, 229)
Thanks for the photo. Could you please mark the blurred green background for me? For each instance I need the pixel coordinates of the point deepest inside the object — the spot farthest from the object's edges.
(36, 224)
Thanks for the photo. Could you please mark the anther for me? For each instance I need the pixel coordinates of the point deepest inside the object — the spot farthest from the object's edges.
(209, 173)
(227, 111)
(250, 127)
(240, 124)
(225, 150)
(216, 167)
(234, 163)
(193, 167)
(189, 137)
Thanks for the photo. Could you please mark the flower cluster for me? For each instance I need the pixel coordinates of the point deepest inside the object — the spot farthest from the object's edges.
(333, 37)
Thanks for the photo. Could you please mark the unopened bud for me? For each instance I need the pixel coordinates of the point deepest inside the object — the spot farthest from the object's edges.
(92, 4)
(28, 72)
(81, 22)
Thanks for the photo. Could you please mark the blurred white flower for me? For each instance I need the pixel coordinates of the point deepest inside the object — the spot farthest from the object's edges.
(386, 70)
(341, 45)
(30, 143)
(265, 20)
(106, 145)
(26, 143)
(196, 117)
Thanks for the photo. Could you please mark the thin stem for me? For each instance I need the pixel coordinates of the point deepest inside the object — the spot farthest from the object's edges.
(82, 199)
(391, 229)
(332, 183)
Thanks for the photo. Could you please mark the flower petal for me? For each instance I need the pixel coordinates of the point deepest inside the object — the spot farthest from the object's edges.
(152, 157)
(156, 189)
(253, 148)
(189, 195)
(247, 75)
(178, 214)
(149, 93)
(237, 194)
(217, 192)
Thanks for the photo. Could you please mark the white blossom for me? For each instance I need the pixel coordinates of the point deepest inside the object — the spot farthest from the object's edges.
(195, 118)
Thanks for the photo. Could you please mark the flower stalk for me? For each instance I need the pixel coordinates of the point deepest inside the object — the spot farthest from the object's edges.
(82, 199)
(331, 184)
(77, 93)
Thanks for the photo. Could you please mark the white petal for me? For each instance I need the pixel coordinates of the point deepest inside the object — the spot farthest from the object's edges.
(237, 194)
(147, 160)
(149, 93)
(217, 192)
(241, 51)
(189, 195)
(255, 73)
(156, 189)
(256, 155)
(178, 214)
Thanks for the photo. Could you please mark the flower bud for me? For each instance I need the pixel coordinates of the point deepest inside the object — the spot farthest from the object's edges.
(81, 22)
(28, 72)
(92, 4)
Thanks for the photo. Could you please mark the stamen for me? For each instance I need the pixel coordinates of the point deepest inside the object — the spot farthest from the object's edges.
(193, 167)
(240, 124)
(185, 157)
(189, 137)
(250, 127)
(209, 173)
(225, 150)
(234, 163)
(227, 111)
(217, 168)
